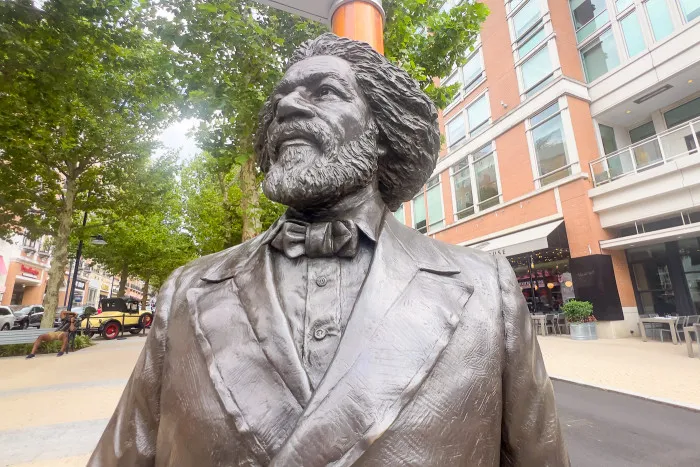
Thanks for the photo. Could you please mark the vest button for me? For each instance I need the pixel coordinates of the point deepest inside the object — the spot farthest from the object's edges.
(321, 281)
(319, 334)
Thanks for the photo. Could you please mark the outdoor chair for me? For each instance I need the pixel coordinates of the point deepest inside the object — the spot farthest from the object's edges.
(550, 321)
(679, 328)
(563, 324)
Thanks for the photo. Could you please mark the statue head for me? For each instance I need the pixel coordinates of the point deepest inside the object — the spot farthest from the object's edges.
(342, 118)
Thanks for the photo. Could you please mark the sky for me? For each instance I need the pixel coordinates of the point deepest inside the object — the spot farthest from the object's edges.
(177, 137)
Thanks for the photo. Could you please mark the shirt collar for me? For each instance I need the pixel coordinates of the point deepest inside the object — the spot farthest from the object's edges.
(367, 213)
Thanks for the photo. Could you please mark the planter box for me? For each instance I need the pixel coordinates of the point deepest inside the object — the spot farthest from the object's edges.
(583, 331)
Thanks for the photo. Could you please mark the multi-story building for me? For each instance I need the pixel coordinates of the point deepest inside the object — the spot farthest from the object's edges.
(571, 148)
(24, 270)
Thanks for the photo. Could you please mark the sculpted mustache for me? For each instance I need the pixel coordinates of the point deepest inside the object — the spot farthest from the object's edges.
(315, 131)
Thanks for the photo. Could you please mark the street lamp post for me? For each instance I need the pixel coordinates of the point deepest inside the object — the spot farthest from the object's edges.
(95, 240)
(361, 20)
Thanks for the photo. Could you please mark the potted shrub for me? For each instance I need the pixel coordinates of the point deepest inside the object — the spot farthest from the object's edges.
(581, 320)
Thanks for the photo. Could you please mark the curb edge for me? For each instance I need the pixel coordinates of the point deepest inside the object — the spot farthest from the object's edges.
(658, 400)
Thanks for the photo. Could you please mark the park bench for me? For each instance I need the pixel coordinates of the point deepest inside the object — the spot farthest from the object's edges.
(24, 336)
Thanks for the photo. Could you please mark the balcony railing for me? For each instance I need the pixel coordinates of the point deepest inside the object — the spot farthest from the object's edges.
(651, 152)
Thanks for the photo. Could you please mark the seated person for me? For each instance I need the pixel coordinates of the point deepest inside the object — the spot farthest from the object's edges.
(65, 332)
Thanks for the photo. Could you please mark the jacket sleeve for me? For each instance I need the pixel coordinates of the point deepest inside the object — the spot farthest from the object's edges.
(530, 432)
(130, 436)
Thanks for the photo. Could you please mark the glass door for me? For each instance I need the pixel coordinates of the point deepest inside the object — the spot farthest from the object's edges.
(689, 250)
(652, 280)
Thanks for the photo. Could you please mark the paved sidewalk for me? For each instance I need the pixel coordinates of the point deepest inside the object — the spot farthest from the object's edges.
(657, 370)
(55, 409)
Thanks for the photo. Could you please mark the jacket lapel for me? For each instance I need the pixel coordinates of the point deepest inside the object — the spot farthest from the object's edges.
(251, 358)
(403, 319)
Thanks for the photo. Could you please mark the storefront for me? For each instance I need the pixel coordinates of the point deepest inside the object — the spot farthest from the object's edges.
(666, 277)
(25, 285)
(549, 276)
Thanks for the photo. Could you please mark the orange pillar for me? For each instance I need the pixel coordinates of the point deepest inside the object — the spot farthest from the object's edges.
(361, 20)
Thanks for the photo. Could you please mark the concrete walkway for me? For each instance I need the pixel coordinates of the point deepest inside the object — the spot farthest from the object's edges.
(55, 409)
(652, 369)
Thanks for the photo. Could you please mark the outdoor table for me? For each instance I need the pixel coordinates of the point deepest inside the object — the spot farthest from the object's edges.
(540, 320)
(671, 321)
(687, 330)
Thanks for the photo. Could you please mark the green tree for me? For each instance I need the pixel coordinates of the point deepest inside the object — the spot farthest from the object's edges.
(231, 54)
(83, 89)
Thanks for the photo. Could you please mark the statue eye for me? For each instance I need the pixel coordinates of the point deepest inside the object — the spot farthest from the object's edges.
(326, 90)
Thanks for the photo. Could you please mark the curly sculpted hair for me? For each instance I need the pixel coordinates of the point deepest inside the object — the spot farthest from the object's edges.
(406, 117)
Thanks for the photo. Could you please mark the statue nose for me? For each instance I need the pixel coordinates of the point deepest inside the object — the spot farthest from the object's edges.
(292, 105)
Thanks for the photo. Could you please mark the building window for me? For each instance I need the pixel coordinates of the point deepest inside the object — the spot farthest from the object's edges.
(436, 218)
(419, 218)
(537, 71)
(29, 243)
(642, 132)
(531, 41)
(526, 18)
(453, 79)
(690, 8)
(660, 19)
(475, 178)
(683, 113)
(478, 114)
(550, 147)
(589, 16)
(600, 56)
(469, 76)
(607, 136)
(400, 215)
(456, 130)
(634, 40)
(473, 71)
(620, 5)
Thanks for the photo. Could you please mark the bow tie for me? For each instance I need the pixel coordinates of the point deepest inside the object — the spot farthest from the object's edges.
(317, 240)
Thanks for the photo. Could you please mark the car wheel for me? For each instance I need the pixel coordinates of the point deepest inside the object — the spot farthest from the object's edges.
(90, 334)
(111, 330)
(135, 331)
(6, 327)
(24, 325)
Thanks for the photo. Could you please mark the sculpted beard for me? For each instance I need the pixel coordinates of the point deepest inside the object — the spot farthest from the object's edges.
(303, 176)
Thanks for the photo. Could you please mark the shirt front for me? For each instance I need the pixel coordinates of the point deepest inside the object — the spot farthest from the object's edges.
(317, 295)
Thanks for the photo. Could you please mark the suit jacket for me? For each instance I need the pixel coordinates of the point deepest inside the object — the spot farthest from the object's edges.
(438, 366)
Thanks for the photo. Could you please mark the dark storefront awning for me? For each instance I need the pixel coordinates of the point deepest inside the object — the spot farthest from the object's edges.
(550, 235)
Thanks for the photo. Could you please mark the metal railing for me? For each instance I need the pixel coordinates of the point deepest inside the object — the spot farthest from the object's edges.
(650, 152)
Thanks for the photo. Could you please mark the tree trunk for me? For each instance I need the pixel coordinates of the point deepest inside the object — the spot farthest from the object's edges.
(123, 277)
(250, 200)
(59, 259)
(144, 300)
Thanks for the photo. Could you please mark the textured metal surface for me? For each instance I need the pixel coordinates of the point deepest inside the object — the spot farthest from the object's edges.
(437, 366)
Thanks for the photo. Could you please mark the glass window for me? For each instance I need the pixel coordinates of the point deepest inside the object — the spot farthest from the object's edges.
(526, 17)
(585, 10)
(691, 9)
(634, 41)
(434, 195)
(536, 69)
(589, 16)
(462, 184)
(607, 135)
(486, 181)
(400, 215)
(454, 78)
(478, 114)
(473, 71)
(622, 4)
(642, 132)
(419, 213)
(550, 150)
(683, 113)
(600, 56)
(660, 18)
(531, 42)
(456, 130)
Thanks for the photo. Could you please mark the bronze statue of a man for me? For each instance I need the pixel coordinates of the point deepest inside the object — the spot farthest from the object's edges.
(340, 337)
